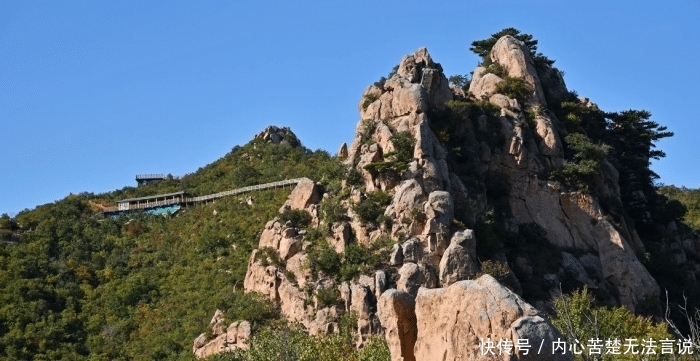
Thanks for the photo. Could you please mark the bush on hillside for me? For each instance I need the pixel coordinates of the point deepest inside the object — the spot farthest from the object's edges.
(372, 207)
(579, 319)
(297, 217)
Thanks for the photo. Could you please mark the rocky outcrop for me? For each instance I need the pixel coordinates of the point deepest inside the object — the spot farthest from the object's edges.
(396, 312)
(304, 194)
(342, 232)
(452, 321)
(399, 105)
(571, 220)
(575, 221)
(459, 261)
(343, 151)
(261, 277)
(483, 86)
(278, 135)
(502, 157)
(515, 58)
(225, 339)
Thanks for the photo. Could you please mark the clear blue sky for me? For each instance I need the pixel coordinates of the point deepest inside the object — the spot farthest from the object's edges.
(94, 92)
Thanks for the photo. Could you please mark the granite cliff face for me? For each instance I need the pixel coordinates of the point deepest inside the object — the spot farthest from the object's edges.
(441, 195)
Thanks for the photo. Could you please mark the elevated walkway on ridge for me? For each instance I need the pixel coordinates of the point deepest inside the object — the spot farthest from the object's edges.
(180, 199)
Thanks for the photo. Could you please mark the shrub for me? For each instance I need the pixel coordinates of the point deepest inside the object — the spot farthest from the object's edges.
(254, 307)
(583, 169)
(403, 144)
(375, 350)
(369, 99)
(289, 343)
(378, 167)
(245, 175)
(368, 127)
(298, 217)
(328, 296)
(496, 69)
(354, 177)
(269, 256)
(498, 270)
(393, 71)
(323, 258)
(333, 211)
(684, 203)
(370, 208)
(356, 259)
(578, 319)
(514, 88)
(491, 235)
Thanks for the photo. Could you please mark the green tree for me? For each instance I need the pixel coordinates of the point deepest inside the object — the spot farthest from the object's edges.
(483, 47)
(632, 137)
(582, 170)
(460, 81)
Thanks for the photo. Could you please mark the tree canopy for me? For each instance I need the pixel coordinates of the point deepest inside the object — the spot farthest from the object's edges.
(483, 47)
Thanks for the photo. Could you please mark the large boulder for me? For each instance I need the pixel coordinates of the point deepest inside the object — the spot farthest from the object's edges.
(410, 278)
(292, 301)
(483, 85)
(515, 58)
(304, 194)
(452, 322)
(412, 251)
(439, 210)
(396, 311)
(459, 261)
(342, 232)
(413, 276)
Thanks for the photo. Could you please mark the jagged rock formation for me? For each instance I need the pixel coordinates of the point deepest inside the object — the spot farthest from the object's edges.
(428, 188)
(401, 105)
(226, 339)
(420, 297)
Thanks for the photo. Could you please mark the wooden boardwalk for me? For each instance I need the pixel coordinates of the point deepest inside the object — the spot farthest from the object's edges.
(189, 201)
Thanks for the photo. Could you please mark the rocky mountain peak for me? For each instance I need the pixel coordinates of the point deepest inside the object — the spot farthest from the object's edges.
(435, 167)
(278, 135)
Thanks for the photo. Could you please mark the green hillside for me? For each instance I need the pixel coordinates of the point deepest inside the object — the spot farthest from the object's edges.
(688, 201)
(142, 287)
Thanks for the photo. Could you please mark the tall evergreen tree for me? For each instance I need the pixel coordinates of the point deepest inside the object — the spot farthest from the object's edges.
(632, 136)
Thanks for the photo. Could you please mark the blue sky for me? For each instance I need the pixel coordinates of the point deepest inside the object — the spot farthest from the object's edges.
(93, 92)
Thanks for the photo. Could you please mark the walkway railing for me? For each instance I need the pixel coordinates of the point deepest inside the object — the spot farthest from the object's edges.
(206, 198)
